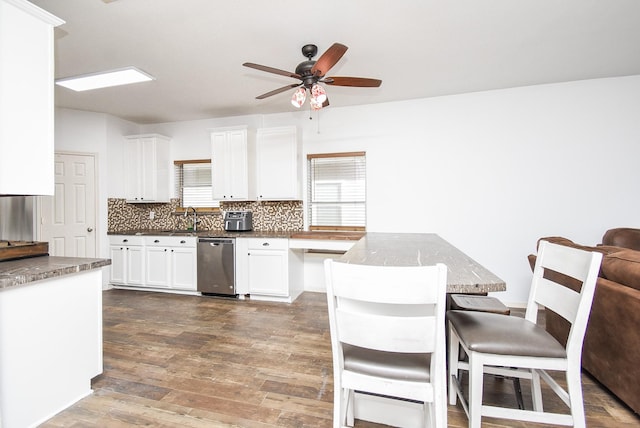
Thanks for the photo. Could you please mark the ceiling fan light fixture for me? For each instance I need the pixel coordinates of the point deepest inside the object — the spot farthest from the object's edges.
(318, 93)
(298, 97)
(315, 104)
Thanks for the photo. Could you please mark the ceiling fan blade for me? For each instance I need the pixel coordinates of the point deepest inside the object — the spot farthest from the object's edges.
(353, 81)
(328, 59)
(277, 91)
(272, 70)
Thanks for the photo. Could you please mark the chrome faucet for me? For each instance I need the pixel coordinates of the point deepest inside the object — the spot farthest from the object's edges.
(195, 217)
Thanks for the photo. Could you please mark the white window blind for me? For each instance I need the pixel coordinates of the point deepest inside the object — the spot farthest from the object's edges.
(193, 184)
(337, 191)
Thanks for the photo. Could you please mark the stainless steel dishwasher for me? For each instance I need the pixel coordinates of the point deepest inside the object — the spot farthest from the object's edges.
(216, 266)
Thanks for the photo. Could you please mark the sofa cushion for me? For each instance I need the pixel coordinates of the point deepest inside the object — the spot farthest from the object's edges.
(622, 267)
(625, 237)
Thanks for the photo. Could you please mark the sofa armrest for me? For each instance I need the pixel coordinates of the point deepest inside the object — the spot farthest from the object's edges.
(625, 237)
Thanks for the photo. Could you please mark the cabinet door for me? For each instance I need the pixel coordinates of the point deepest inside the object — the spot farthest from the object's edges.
(118, 264)
(278, 164)
(132, 176)
(220, 165)
(239, 180)
(268, 272)
(26, 99)
(157, 262)
(148, 170)
(135, 265)
(183, 268)
(229, 162)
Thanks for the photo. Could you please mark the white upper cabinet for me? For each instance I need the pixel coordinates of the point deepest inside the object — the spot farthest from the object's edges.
(231, 166)
(278, 164)
(26, 99)
(146, 168)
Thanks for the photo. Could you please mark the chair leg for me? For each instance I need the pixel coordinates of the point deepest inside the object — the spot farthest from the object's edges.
(476, 376)
(536, 391)
(574, 388)
(351, 397)
(338, 406)
(439, 406)
(454, 349)
(518, 390)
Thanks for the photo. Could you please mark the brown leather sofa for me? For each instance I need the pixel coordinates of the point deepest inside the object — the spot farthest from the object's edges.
(612, 342)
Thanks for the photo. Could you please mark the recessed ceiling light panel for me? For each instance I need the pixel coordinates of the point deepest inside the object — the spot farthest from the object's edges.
(105, 79)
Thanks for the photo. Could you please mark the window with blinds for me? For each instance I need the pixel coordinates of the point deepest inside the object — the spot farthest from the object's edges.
(337, 191)
(193, 183)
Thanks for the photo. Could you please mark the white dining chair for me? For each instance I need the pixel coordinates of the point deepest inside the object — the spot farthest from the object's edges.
(388, 336)
(515, 346)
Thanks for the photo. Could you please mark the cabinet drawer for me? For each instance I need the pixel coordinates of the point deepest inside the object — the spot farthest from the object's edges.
(170, 241)
(126, 240)
(268, 244)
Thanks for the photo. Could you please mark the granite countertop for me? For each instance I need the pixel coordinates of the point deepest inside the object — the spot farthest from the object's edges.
(295, 234)
(23, 271)
(464, 275)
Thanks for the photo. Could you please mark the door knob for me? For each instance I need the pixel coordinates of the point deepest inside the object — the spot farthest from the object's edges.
(89, 229)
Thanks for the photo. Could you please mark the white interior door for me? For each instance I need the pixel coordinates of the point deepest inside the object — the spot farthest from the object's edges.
(68, 219)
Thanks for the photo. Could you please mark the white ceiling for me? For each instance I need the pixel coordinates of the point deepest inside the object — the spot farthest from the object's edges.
(419, 48)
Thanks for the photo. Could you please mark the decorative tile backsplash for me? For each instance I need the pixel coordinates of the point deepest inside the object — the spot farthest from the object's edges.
(267, 216)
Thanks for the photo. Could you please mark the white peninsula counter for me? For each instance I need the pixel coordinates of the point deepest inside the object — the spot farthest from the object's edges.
(50, 335)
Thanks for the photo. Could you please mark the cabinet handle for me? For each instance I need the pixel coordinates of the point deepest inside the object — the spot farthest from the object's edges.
(182, 242)
(89, 229)
(125, 240)
(165, 250)
(156, 241)
(265, 244)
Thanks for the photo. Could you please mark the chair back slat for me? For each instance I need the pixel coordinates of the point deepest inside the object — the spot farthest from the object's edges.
(410, 334)
(560, 299)
(386, 284)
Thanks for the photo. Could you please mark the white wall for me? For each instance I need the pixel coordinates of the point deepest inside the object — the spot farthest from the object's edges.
(101, 135)
(491, 172)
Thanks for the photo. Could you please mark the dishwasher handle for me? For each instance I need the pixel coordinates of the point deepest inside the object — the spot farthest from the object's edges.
(216, 241)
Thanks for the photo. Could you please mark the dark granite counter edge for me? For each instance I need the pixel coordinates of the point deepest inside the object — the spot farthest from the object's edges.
(24, 271)
(288, 234)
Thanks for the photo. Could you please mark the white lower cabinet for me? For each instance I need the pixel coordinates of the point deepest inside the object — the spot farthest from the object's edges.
(154, 262)
(267, 270)
(127, 260)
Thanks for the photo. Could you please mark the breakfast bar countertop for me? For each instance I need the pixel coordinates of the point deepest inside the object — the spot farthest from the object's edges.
(23, 271)
(464, 275)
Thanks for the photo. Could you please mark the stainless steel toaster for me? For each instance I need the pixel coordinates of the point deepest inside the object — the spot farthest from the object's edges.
(238, 221)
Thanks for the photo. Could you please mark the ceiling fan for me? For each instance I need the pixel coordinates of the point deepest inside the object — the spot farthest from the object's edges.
(311, 73)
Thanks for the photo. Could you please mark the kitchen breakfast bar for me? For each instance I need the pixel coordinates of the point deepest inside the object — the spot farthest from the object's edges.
(464, 275)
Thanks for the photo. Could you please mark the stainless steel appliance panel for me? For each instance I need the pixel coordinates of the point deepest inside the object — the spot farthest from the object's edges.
(216, 266)
(17, 218)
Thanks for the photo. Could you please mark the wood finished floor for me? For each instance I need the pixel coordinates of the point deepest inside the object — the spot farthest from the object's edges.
(186, 361)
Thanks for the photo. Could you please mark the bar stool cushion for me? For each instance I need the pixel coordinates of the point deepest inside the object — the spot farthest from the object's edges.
(481, 331)
(412, 367)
